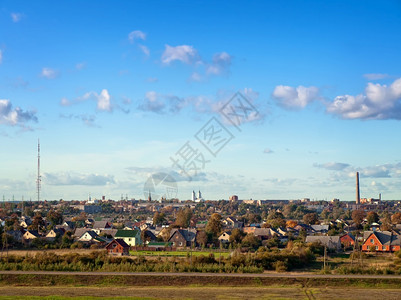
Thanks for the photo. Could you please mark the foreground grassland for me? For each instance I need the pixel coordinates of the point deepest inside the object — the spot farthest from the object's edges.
(195, 292)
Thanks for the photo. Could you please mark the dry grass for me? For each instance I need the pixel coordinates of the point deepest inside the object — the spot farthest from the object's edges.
(56, 251)
(199, 292)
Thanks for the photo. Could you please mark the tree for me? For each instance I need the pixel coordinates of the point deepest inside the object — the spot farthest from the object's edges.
(291, 223)
(358, 216)
(251, 241)
(310, 219)
(372, 217)
(54, 217)
(236, 236)
(183, 217)
(214, 225)
(201, 238)
(396, 218)
(159, 218)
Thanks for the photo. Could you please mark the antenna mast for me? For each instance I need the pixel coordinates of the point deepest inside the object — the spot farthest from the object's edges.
(38, 180)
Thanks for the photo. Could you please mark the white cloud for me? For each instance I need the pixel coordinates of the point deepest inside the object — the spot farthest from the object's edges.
(136, 35)
(332, 166)
(294, 98)
(375, 76)
(145, 50)
(14, 116)
(184, 53)
(80, 66)
(49, 73)
(268, 151)
(220, 64)
(65, 102)
(16, 17)
(196, 76)
(377, 102)
(72, 178)
(103, 100)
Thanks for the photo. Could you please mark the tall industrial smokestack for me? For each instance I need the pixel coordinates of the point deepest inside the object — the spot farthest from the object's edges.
(358, 196)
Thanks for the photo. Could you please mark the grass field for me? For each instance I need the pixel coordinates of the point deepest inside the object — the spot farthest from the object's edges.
(176, 292)
(178, 253)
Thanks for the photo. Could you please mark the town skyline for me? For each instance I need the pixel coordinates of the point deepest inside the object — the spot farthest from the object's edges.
(119, 91)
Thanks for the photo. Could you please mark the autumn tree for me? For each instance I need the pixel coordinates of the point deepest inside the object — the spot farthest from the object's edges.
(214, 225)
(358, 216)
(310, 219)
(396, 218)
(291, 223)
(372, 217)
(183, 217)
(201, 238)
(54, 217)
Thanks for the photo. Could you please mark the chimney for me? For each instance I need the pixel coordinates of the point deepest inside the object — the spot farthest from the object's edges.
(358, 196)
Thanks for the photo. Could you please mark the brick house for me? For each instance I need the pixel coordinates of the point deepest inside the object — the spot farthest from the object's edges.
(118, 247)
(347, 240)
(381, 241)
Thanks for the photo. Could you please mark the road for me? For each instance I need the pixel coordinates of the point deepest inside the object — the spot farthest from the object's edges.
(271, 275)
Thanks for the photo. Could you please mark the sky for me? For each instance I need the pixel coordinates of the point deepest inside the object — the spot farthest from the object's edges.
(261, 99)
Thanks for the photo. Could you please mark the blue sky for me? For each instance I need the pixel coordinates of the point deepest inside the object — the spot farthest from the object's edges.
(115, 89)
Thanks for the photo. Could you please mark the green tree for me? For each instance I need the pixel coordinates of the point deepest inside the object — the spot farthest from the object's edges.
(236, 236)
(159, 218)
(251, 241)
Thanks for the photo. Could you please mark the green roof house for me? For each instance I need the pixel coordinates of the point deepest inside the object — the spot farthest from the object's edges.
(131, 237)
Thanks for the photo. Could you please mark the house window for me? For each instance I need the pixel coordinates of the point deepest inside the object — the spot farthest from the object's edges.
(372, 241)
(180, 243)
(384, 248)
(377, 247)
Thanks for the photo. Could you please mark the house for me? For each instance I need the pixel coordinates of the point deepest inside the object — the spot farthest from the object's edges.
(80, 231)
(117, 247)
(25, 222)
(182, 237)
(102, 225)
(16, 235)
(130, 237)
(30, 235)
(264, 233)
(91, 237)
(54, 233)
(232, 223)
(347, 240)
(321, 229)
(381, 241)
(225, 237)
(331, 242)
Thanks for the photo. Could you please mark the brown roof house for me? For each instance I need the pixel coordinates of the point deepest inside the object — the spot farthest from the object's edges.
(118, 247)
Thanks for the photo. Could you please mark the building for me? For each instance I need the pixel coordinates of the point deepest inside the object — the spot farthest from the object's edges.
(331, 242)
(381, 241)
(182, 237)
(118, 247)
(130, 237)
(233, 198)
